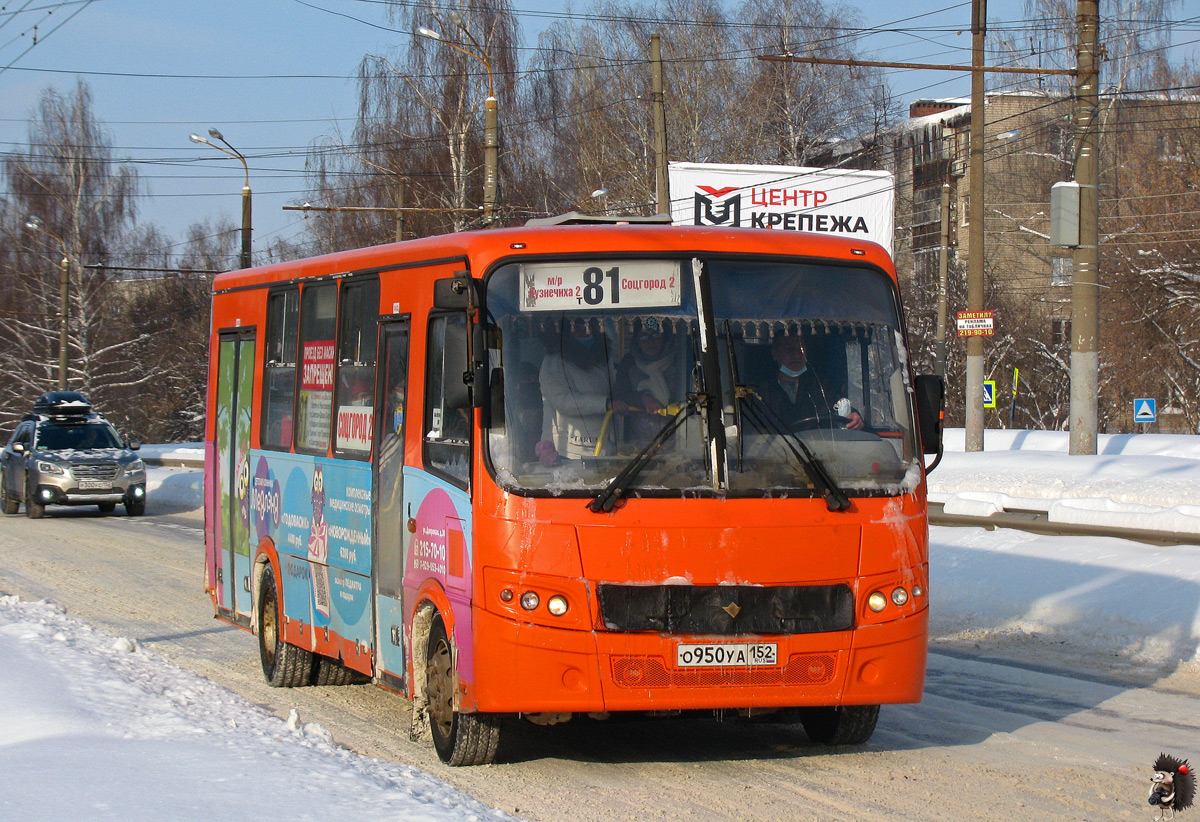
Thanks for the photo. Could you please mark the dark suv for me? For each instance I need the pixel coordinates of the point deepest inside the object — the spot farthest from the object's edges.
(65, 454)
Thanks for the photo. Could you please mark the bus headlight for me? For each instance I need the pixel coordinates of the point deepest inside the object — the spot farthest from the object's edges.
(557, 605)
(877, 601)
(899, 596)
(530, 600)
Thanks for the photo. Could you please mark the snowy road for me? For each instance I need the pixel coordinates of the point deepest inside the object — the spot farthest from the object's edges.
(992, 740)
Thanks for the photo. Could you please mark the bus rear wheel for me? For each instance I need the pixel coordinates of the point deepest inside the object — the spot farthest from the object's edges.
(844, 725)
(283, 665)
(458, 738)
(328, 671)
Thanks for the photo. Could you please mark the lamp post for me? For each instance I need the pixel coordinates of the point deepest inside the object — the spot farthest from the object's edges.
(233, 152)
(490, 117)
(64, 298)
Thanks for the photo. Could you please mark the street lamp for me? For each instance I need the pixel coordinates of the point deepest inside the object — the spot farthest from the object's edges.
(490, 116)
(233, 152)
(64, 297)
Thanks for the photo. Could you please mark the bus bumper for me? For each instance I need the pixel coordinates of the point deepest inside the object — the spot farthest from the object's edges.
(523, 668)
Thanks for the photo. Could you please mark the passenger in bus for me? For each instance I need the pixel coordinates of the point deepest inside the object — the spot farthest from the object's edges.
(576, 392)
(647, 380)
(795, 392)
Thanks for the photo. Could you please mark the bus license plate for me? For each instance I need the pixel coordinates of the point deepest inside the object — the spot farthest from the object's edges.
(94, 485)
(721, 655)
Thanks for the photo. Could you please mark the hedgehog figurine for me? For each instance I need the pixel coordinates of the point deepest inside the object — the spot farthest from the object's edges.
(1172, 787)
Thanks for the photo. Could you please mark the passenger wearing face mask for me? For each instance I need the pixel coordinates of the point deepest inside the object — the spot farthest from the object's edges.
(795, 393)
(576, 392)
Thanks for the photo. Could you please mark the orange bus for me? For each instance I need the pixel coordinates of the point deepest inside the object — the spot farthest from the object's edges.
(576, 469)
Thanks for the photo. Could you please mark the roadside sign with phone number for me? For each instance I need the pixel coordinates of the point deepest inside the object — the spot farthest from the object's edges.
(575, 286)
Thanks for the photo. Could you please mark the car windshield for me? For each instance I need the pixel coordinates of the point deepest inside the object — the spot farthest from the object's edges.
(82, 437)
(590, 360)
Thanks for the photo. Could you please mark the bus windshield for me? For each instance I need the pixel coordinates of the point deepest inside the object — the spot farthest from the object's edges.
(598, 363)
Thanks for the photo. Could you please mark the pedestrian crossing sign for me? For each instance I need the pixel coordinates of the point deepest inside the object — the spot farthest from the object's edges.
(989, 393)
(1145, 410)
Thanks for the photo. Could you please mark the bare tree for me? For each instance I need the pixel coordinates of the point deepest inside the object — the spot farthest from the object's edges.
(85, 205)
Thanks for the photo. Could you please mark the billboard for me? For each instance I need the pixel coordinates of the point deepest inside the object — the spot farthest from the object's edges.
(847, 202)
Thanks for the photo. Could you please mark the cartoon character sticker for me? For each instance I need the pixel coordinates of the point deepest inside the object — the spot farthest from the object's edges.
(1172, 788)
(318, 545)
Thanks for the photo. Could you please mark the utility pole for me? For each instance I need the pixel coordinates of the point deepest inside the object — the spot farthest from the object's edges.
(1085, 332)
(939, 350)
(400, 211)
(661, 186)
(974, 397)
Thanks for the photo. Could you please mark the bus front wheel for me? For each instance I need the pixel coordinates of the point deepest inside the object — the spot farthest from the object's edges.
(283, 665)
(844, 725)
(460, 739)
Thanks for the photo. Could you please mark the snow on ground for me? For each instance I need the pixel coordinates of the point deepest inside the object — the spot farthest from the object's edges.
(133, 735)
(1136, 481)
(97, 728)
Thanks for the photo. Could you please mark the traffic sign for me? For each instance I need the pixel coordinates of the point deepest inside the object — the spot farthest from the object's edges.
(989, 393)
(1145, 409)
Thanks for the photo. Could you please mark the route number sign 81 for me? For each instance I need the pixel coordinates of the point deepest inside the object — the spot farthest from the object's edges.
(592, 284)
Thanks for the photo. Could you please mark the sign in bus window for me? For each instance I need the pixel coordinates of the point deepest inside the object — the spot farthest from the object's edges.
(317, 356)
(592, 284)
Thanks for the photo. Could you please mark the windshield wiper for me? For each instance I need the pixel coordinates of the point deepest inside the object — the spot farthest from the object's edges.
(607, 499)
(764, 416)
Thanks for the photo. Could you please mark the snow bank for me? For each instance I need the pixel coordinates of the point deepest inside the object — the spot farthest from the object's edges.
(98, 728)
(1147, 481)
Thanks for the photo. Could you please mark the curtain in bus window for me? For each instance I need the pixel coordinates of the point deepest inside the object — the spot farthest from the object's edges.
(279, 373)
(448, 406)
(358, 320)
(318, 309)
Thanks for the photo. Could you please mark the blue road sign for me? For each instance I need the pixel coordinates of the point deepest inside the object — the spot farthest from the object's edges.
(989, 393)
(1145, 410)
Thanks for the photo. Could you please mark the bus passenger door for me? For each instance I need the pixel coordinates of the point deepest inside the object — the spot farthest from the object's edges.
(390, 532)
(229, 566)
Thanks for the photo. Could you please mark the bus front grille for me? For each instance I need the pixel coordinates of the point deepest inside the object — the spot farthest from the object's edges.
(727, 609)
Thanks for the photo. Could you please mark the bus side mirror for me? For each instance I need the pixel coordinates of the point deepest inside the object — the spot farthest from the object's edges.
(456, 293)
(931, 408)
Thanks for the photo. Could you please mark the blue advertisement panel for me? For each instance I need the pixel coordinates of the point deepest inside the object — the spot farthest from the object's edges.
(317, 512)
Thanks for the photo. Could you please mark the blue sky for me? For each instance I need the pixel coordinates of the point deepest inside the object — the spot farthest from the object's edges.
(205, 49)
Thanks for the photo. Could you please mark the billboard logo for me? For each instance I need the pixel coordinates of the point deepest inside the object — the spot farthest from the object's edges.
(709, 212)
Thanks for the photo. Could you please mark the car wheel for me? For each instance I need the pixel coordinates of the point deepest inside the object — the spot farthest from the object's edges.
(106, 507)
(283, 665)
(33, 508)
(11, 503)
(460, 739)
(133, 507)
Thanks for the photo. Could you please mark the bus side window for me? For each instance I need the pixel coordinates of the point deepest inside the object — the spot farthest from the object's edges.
(318, 311)
(447, 427)
(279, 369)
(358, 318)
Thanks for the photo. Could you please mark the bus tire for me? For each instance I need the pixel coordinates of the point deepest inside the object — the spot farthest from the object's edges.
(458, 738)
(844, 725)
(328, 671)
(284, 665)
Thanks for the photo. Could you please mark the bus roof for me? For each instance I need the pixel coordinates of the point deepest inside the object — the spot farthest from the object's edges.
(485, 247)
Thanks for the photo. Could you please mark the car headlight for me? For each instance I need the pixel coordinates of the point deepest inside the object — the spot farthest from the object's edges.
(49, 467)
(134, 467)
